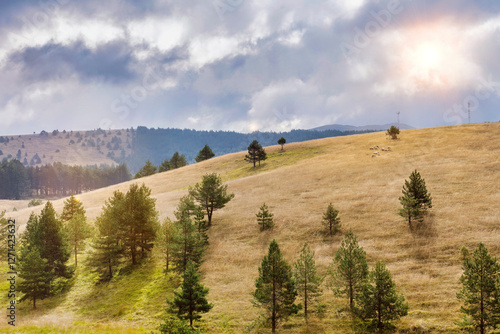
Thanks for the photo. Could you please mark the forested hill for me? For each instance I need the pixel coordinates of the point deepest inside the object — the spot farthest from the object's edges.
(158, 144)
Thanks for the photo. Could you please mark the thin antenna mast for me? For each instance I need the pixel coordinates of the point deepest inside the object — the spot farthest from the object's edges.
(469, 112)
(399, 112)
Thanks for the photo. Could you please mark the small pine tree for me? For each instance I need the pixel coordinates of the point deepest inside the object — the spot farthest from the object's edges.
(480, 289)
(211, 194)
(415, 200)
(349, 270)
(35, 274)
(173, 325)
(393, 131)
(265, 218)
(164, 241)
(307, 280)
(164, 166)
(72, 206)
(282, 142)
(205, 154)
(331, 220)
(146, 170)
(255, 153)
(77, 231)
(379, 301)
(178, 161)
(191, 300)
(275, 288)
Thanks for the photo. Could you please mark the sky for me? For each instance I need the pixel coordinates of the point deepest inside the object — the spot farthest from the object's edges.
(246, 66)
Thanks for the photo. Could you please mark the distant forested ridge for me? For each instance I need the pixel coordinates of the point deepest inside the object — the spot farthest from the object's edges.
(18, 181)
(157, 144)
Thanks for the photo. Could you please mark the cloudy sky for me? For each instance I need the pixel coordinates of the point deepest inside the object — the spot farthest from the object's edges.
(246, 65)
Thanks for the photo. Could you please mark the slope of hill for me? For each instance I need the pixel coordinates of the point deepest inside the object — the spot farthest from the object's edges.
(341, 127)
(460, 165)
(94, 147)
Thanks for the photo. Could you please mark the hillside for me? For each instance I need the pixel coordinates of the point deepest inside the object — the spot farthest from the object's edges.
(462, 171)
(94, 147)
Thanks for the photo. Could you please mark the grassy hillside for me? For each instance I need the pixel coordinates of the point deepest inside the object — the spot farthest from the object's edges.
(460, 165)
(65, 147)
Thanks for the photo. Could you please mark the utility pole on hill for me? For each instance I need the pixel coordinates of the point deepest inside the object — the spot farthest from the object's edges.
(399, 112)
(469, 112)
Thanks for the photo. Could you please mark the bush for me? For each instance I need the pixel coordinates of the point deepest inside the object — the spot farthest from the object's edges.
(35, 202)
(393, 132)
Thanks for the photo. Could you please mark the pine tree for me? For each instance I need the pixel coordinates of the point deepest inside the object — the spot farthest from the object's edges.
(173, 325)
(178, 161)
(146, 170)
(379, 302)
(164, 166)
(72, 206)
(4, 232)
(49, 237)
(265, 218)
(307, 280)
(331, 220)
(165, 241)
(255, 153)
(211, 194)
(205, 154)
(480, 291)
(107, 249)
(187, 245)
(191, 300)
(349, 270)
(281, 142)
(415, 199)
(275, 288)
(138, 222)
(77, 231)
(35, 275)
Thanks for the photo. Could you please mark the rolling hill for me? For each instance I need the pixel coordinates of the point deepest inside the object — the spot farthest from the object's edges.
(459, 164)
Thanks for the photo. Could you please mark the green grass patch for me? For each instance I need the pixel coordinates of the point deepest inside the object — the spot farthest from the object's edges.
(274, 160)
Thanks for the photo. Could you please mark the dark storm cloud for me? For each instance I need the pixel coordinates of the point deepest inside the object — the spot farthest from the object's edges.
(111, 62)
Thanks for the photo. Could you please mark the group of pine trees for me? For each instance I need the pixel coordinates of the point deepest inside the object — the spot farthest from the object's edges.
(18, 181)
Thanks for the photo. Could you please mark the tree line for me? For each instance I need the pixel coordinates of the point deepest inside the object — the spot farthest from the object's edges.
(18, 181)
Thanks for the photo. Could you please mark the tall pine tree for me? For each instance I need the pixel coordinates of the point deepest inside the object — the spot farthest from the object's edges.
(191, 300)
(275, 287)
(480, 289)
(379, 302)
(205, 154)
(307, 280)
(77, 231)
(331, 219)
(165, 241)
(415, 200)
(349, 270)
(35, 275)
(72, 206)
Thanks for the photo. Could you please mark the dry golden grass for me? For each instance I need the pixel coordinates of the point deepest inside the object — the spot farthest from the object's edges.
(74, 154)
(459, 164)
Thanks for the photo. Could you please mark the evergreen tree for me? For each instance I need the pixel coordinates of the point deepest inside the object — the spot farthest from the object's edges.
(164, 166)
(146, 170)
(191, 300)
(480, 289)
(307, 280)
(275, 288)
(349, 269)
(379, 301)
(331, 220)
(48, 237)
(178, 161)
(187, 245)
(35, 275)
(281, 142)
(255, 153)
(173, 325)
(77, 231)
(138, 221)
(165, 241)
(4, 236)
(72, 206)
(107, 248)
(205, 154)
(265, 218)
(201, 225)
(415, 199)
(211, 194)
